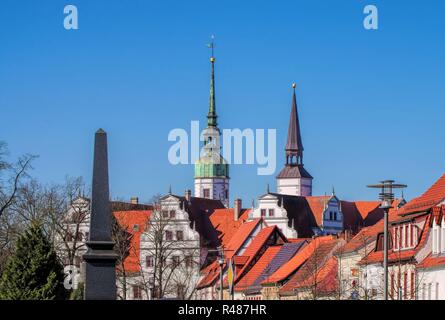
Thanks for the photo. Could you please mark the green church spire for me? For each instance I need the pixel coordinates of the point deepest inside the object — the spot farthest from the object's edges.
(211, 117)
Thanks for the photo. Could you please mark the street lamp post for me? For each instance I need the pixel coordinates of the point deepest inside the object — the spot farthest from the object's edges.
(221, 276)
(386, 196)
(221, 261)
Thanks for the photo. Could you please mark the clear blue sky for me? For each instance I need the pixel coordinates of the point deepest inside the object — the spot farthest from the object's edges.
(371, 103)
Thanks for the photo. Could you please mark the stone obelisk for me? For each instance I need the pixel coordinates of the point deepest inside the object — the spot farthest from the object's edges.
(100, 258)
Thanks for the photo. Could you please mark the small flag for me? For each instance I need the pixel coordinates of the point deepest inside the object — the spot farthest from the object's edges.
(231, 276)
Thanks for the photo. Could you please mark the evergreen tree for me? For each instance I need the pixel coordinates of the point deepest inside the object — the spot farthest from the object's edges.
(33, 272)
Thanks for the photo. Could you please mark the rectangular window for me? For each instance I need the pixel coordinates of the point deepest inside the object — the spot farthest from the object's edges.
(164, 214)
(429, 290)
(437, 290)
(271, 212)
(400, 237)
(406, 236)
(189, 261)
(415, 235)
(413, 284)
(168, 235)
(392, 286)
(263, 212)
(424, 291)
(175, 261)
(179, 235)
(149, 262)
(180, 291)
(411, 235)
(405, 285)
(394, 237)
(172, 214)
(206, 193)
(137, 292)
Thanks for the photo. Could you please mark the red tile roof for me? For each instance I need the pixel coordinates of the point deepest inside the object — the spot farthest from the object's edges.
(211, 272)
(438, 214)
(317, 205)
(127, 220)
(432, 197)
(402, 255)
(316, 268)
(223, 221)
(258, 243)
(297, 260)
(258, 268)
(367, 234)
(362, 239)
(239, 238)
(325, 279)
(363, 213)
(366, 207)
(432, 262)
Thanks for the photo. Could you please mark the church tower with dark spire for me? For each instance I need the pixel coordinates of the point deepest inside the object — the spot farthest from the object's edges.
(294, 179)
(212, 170)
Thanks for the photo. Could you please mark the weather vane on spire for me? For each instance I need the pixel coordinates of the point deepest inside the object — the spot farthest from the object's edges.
(211, 45)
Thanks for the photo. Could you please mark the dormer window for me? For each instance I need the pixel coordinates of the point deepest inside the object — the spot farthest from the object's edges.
(404, 236)
(438, 238)
(333, 215)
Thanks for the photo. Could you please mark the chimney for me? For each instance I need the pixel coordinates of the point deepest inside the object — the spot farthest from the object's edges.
(188, 194)
(237, 209)
(134, 200)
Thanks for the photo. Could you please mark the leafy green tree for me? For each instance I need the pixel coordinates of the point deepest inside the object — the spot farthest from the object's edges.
(33, 272)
